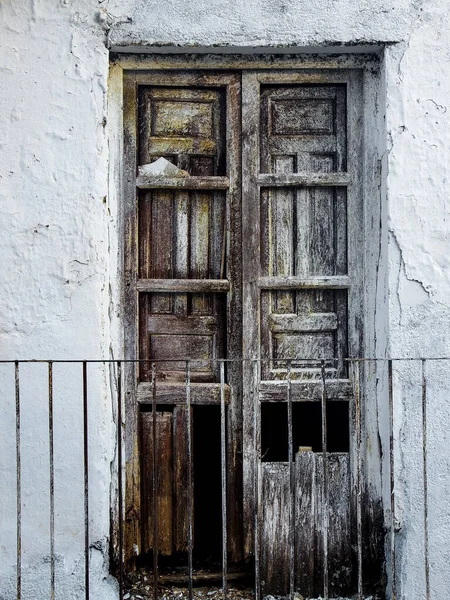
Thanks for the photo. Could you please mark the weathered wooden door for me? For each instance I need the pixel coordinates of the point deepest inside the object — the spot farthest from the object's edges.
(299, 265)
(301, 301)
(188, 285)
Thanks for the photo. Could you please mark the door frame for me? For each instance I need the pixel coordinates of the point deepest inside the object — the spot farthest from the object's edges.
(125, 67)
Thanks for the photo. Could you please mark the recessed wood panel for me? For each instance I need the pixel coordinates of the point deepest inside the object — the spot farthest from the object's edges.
(299, 117)
(182, 119)
(317, 345)
(171, 351)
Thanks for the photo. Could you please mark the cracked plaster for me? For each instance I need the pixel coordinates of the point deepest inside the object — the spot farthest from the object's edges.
(58, 292)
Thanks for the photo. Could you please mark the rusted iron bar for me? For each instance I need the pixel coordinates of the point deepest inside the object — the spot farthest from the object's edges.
(86, 481)
(257, 475)
(325, 481)
(279, 359)
(223, 451)
(392, 479)
(356, 376)
(425, 480)
(190, 477)
(291, 484)
(52, 480)
(119, 474)
(154, 486)
(18, 486)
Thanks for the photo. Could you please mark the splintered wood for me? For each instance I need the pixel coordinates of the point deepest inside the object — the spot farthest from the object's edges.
(309, 507)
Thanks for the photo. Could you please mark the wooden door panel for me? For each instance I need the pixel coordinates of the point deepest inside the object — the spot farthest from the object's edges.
(182, 233)
(304, 228)
(306, 123)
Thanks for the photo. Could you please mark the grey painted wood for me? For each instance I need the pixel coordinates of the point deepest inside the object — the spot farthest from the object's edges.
(275, 529)
(319, 282)
(186, 183)
(183, 285)
(175, 393)
(304, 391)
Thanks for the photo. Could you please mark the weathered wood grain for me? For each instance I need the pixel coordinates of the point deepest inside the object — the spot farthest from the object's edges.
(132, 531)
(180, 478)
(164, 482)
(332, 282)
(183, 285)
(305, 391)
(275, 529)
(173, 393)
(184, 183)
(310, 506)
(293, 179)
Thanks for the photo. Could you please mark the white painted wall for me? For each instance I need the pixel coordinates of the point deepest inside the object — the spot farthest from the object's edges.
(59, 293)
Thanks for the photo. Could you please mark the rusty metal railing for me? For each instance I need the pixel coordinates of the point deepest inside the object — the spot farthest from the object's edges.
(323, 372)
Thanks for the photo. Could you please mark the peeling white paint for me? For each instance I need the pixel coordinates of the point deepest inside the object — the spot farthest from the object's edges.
(59, 203)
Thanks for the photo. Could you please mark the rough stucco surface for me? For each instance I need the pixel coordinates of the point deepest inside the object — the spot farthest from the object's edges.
(59, 239)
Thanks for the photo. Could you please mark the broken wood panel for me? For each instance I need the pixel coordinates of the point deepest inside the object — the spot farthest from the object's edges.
(180, 481)
(310, 510)
(183, 120)
(275, 528)
(164, 482)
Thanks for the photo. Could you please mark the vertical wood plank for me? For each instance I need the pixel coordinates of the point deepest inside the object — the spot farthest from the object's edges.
(162, 230)
(233, 261)
(164, 481)
(305, 469)
(250, 273)
(275, 529)
(181, 239)
(282, 221)
(310, 507)
(200, 248)
(180, 479)
(132, 539)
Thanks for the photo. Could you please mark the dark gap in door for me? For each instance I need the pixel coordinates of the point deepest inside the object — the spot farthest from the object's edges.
(207, 485)
(307, 428)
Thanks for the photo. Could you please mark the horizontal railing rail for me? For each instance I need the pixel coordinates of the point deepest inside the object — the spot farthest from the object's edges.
(319, 371)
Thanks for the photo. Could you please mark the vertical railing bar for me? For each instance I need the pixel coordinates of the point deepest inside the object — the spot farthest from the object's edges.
(224, 480)
(425, 478)
(392, 481)
(325, 481)
(52, 480)
(86, 480)
(119, 474)
(18, 485)
(257, 475)
(190, 466)
(291, 484)
(356, 366)
(154, 487)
